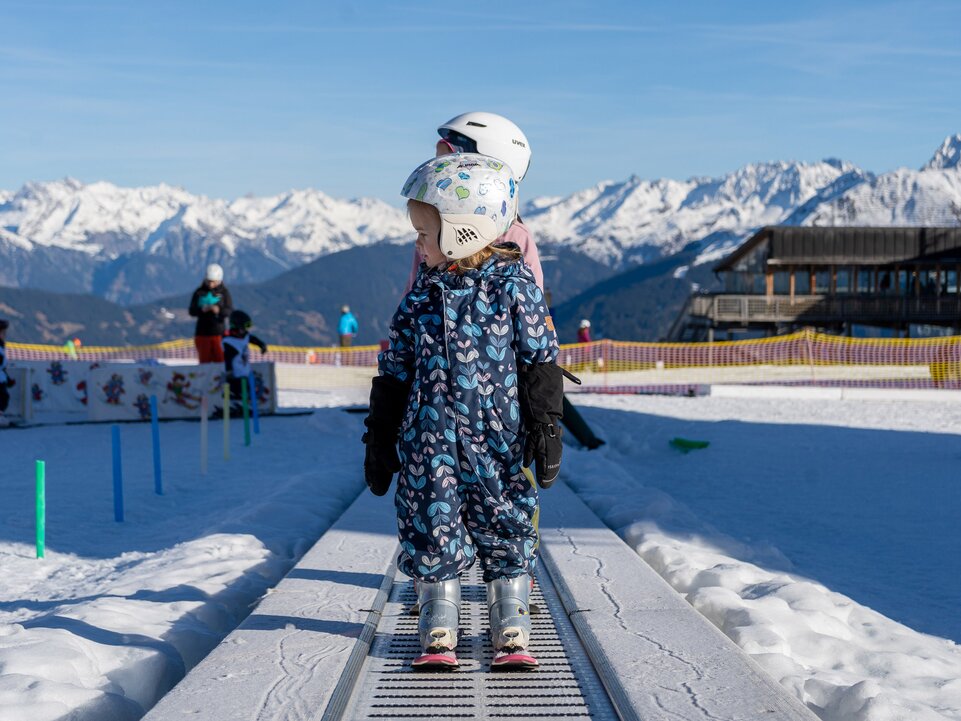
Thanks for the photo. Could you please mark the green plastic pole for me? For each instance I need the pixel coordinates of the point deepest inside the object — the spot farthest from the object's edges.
(41, 508)
(243, 400)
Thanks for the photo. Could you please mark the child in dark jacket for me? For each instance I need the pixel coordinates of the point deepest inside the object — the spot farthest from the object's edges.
(469, 387)
(236, 346)
(6, 382)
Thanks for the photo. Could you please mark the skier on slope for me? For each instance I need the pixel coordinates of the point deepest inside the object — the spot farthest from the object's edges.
(494, 135)
(470, 384)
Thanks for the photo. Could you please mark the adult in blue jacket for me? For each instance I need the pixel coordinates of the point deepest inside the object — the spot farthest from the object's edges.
(347, 327)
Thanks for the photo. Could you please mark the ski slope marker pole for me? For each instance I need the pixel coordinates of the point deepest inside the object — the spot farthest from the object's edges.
(158, 486)
(254, 403)
(117, 475)
(244, 398)
(203, 435)
(226, 422)
(41, 507)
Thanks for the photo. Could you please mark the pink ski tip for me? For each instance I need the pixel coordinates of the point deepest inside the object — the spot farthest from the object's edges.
(435, 660)
(514, 660)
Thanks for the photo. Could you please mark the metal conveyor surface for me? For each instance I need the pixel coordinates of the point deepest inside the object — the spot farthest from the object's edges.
(565, 686)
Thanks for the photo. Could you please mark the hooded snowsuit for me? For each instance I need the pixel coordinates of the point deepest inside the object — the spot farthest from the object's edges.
(461, 493)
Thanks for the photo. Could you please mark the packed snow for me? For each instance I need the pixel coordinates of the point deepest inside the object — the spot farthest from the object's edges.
(794, 531)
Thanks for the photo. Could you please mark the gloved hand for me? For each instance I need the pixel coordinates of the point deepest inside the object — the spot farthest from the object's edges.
(541, 391)
(543, 449)
(263, 348)
(381, 461)
(388, 400)
(11, 383)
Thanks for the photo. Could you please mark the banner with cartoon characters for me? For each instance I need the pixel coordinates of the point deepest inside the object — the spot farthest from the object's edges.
(58, 387)
(120, 391)
(65, 390)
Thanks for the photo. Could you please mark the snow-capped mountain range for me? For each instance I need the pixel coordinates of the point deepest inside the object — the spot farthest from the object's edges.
(133, 244)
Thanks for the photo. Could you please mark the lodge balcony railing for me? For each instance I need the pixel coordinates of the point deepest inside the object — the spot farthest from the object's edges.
(727, 308)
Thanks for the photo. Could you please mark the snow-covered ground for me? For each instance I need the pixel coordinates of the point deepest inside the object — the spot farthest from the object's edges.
(793, 504)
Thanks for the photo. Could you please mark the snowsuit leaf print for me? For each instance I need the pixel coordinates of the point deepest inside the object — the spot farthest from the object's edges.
(461, 494)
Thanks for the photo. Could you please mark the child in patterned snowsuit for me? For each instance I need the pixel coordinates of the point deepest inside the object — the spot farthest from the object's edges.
(469, 387)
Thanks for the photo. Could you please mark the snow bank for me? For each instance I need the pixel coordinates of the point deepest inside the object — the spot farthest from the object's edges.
(846, 661)
(116, 613)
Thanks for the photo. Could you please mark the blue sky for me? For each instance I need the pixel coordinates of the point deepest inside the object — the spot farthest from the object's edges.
(226, 98)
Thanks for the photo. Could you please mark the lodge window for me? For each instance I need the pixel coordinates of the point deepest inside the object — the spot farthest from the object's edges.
(822, 282)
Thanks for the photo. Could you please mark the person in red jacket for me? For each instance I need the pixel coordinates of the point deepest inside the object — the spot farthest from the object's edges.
(211, 305)
(584, 331)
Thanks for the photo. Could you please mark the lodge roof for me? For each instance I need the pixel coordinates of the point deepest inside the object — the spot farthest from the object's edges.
(793, 245)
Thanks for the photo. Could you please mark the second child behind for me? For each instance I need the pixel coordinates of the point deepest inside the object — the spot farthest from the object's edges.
(237, 355)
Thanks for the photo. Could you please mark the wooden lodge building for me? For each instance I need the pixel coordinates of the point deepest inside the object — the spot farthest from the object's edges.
(785, 278)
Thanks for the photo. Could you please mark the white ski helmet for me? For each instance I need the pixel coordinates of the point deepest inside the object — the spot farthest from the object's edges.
(475, 195)
(585, 323)
(214, 272)
(490, 134)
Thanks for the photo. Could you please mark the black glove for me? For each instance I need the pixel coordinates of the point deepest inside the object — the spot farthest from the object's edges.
(542, 406)
(381, 461)
(11, 383)
(388, 399)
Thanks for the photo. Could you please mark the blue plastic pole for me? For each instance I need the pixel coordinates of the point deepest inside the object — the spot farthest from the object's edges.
(253, 402)
(155, 432)
(117, 476)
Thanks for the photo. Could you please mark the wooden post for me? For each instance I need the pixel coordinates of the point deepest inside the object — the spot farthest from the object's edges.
(793, 285)
(769, 284)
(812, 281)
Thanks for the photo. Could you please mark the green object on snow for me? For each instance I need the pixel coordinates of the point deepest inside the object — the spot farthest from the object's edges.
(686, 445)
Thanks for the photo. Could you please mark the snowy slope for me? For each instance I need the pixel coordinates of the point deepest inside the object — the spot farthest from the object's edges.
(104, 218)
(640, 220)
(104, 238)
(790, 533)
(137, 244)
(929, 196)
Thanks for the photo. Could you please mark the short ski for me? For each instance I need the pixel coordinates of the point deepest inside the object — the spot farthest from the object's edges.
(435, 659)
(508, 660)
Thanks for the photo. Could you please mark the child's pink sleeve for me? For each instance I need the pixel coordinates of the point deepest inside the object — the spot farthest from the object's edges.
(519, 234)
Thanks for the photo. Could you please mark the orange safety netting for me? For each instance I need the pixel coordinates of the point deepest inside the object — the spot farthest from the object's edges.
(802, 358)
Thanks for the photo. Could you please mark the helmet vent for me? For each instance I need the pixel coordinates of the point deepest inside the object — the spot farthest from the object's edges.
(464, 235)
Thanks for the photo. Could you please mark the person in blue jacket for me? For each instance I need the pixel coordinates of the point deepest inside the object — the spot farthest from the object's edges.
(346, 327)
(469, 389)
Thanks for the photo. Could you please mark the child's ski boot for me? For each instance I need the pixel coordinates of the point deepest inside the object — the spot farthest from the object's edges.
(508, 603)
(439, 619)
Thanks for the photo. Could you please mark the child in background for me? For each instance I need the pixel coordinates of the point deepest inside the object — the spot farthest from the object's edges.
(470, 385)
(6, 382)
(236, 347)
